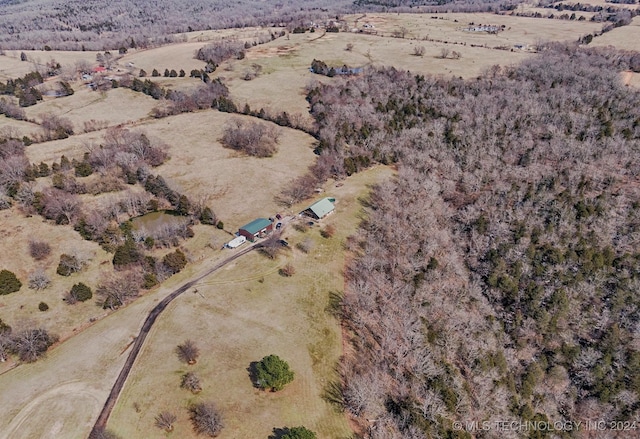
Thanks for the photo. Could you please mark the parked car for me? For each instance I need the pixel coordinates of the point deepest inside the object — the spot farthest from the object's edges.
(283, 243)
(278, 216)
(278, 226)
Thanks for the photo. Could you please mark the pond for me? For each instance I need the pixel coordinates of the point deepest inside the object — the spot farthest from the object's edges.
(154, 222)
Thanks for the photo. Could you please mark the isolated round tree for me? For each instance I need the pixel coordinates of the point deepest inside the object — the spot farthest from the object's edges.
(206, 419)
(272, 372)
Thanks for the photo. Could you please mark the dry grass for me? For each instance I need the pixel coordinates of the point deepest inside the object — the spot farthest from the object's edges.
(22, 307)
(241, 188)
(450, 27)
(17, 128)
(117, 106)
(12, 67)
(285, 62)
(175, 56)
(249, 311)
(624, 38)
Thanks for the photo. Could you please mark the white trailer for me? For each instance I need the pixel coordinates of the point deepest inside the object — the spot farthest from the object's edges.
(237, 241)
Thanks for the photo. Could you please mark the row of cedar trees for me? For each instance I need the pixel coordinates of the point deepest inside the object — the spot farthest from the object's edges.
(496, 277)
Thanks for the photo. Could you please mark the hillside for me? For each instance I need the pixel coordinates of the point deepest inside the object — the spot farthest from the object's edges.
(495, 279)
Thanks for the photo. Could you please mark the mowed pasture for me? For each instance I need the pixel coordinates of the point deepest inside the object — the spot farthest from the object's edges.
(114, 107)
(20, 309)
(240, 187)
(623, 38)
(12, 67)
(242, 313)
(284, 63)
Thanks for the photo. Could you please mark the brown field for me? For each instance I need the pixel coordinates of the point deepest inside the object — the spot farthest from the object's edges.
(624, 38)
(175, 56)
(240, 187)
(21, 308)
(17, 128)
(12, 67)
(249, 311)
(115, 107)
(287, 60)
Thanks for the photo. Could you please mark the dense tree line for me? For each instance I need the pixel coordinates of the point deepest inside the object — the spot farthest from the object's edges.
(123, 24)
(495, 277)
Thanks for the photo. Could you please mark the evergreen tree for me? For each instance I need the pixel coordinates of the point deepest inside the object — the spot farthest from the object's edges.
(9, 283)
(273, 373)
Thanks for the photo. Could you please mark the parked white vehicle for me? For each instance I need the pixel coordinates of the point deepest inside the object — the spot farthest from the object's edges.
(236, 242)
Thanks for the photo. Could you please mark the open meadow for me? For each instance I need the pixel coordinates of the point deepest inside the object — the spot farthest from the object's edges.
(285, 62)
(623, 38)
(243, 313)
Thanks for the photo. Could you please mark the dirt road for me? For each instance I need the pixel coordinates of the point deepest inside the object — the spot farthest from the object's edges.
(101, 422)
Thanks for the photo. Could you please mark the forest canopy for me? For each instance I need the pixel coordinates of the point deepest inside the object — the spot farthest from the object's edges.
(496, 277)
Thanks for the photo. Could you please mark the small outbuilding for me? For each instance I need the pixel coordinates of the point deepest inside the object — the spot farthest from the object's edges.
(320, 209)
(257, 228)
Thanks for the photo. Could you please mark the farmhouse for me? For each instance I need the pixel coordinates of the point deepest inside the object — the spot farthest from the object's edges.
(256, 229)
(320, 209)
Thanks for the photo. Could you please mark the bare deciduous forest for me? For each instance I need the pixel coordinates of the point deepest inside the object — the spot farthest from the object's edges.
(496, 277)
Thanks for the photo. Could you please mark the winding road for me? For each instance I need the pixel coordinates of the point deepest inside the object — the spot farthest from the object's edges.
(101, 422)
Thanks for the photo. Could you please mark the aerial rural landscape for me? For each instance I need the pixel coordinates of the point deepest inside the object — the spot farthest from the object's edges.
(335, 219)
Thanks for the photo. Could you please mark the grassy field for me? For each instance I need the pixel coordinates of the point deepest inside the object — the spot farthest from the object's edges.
(624, 37)
(12, 67)
(241, 309)
(286, 61)
(21, 308)
(242, 313)
(115, 107)
(240, 187)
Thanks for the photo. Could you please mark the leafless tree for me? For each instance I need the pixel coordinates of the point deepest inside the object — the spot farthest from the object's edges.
(418, 51)
(165, 421)
(12, 169)
(206, 419)
(31, 344)
(306, 245)
(298, 190)
(271, 247)
(116, 290)
(39, 280)
(55, 127)
(61, 206)
(444, 52)
(191, 382)
(39, 250)
(254, 138)
(287, 270)
(188, 352)
(349, 47)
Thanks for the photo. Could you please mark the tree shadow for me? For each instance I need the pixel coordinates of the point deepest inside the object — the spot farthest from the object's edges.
(252, 370)
(334, 307)
(332, 393)
(278, 433)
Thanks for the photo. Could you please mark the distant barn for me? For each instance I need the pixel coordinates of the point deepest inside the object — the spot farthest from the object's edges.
(257, 228)
(320, 209)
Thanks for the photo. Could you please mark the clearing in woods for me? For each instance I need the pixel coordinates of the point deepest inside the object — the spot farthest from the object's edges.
(242, 313)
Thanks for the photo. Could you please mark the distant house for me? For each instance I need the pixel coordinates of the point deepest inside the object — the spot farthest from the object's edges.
(98, 69)
(256, 229)
(320, 209)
